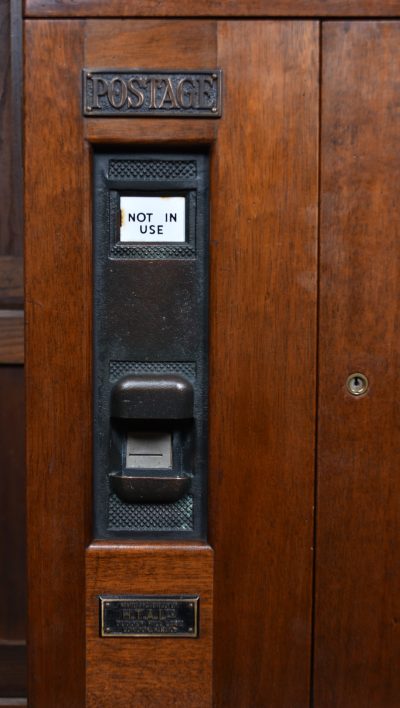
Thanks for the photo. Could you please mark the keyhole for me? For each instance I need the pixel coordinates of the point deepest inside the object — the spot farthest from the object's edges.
(357, 384)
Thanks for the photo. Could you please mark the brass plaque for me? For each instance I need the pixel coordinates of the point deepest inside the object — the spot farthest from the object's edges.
(132, 92)
(149, 616)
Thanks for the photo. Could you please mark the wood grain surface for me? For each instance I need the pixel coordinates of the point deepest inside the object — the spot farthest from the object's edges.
(357, 640)
(58, 318)
(171, 132)
(143, 672)
(262, 362)
(215, 8)
(124, 43)
(11, 337)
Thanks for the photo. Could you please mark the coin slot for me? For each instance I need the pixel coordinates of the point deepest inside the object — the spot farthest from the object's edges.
(149, 450)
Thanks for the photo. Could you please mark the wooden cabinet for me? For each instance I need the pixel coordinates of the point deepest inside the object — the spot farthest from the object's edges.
(298, 576)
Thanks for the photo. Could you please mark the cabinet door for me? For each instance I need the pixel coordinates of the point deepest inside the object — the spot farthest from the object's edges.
(263, 272)
(357, 641)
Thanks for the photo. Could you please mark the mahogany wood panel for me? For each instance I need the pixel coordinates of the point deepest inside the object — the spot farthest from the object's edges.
(140, 672)
(144, 132)
(357, 640)
(263, 362)
(11, 282)
(58, 314)
(208, 8)
(11, 336)
(122, 43)
(155, 43)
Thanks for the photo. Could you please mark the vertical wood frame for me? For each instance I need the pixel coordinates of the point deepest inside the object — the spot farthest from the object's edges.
(58, 359)
(263, 361)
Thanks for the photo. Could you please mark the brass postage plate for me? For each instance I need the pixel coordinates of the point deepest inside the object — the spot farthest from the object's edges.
(149, 616)
(135, 92)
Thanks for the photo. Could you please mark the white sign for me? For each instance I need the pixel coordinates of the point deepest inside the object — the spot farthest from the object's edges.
(152, 219)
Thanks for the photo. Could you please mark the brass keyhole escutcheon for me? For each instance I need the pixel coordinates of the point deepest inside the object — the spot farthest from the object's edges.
(357, 384)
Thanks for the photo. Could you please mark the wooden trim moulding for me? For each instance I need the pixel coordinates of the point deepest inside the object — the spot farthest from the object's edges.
(213, 8)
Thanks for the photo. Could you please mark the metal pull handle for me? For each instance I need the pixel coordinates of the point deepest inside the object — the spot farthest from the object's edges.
(159, 396)
(149, 473)
(150, 489)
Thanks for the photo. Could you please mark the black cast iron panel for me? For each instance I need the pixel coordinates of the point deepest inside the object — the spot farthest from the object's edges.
(150, 317)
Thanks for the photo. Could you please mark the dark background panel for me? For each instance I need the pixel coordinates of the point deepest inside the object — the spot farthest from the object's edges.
(10, 96)
(12, 418)
(12, 532)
